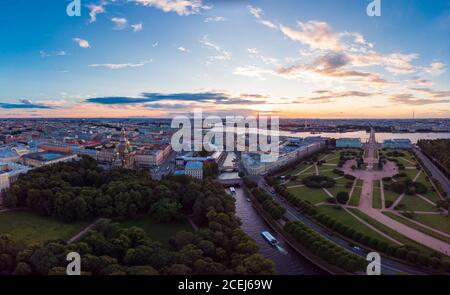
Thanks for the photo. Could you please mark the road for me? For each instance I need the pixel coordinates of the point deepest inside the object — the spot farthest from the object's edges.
(388, 266)
(435, 172)
(166, 168)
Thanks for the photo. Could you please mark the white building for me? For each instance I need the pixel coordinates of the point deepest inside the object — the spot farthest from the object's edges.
(9, 172)
(194, 169)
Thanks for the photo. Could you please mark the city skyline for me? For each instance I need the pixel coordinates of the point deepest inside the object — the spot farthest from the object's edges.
(326, 59)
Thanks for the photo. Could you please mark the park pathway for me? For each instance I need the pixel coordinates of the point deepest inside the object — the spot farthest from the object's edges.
(365, 205)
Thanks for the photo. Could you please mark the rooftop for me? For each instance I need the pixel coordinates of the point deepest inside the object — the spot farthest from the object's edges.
(194, 165)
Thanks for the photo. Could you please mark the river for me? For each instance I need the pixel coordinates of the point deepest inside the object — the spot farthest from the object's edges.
(290, 263)
(363, 135)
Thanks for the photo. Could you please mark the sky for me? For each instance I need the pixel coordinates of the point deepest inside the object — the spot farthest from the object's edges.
(160, 58)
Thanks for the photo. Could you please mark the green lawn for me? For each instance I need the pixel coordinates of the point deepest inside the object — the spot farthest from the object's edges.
(411, 173)
(438, 222)
(376, 203)
(340, 186)
(407, 222)
(354, 198)
(29, 228)
(414, 203)
(392, 233)
(309, 194)
(158, 231)
(431, 194)
(389, 196)
(344, 217)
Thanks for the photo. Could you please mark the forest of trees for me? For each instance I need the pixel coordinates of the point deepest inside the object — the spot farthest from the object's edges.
(82, 191)
(437, 149)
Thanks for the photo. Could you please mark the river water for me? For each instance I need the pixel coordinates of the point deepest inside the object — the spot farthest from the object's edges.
(290, 263)
(363, 135)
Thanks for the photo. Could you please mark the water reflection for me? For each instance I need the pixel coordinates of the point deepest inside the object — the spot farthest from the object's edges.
(289, 263)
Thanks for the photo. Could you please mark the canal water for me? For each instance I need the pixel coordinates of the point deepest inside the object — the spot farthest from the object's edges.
(287, 260)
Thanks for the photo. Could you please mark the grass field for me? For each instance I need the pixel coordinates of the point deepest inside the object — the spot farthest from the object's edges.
(345, 218)
(438, 222)
(309, 194)
(407, 222)
(158, 231)
(389, 196)
(354, 199)
(376, 195)
(414, 203)
(392, 233)
(29, 228)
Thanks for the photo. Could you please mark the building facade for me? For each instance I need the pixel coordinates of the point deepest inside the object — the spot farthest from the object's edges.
(399, 143)
(194, 169)
(348, 143)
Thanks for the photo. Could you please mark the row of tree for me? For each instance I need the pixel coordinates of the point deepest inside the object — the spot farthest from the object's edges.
(324, 248)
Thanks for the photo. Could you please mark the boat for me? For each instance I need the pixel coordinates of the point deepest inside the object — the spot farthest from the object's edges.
(269, 238)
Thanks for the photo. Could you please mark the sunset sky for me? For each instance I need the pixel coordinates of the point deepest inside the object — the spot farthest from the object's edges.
(157, 58)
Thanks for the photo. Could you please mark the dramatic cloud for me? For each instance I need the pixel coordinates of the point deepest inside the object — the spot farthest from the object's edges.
(82, 43)
(137, 27)
(333, 65)
(433, 93)
(24, 104)
(323, 96)
(436, 68)
(215, 19)
(254, 53)
(120, 66)
(252, 71)
(120, 23)
(315, 34)
(181, 7)
(94, 10)
(183, 49)
(258, 14)
(205, 97)
(409, 99)
(221, 54)
(255, 11)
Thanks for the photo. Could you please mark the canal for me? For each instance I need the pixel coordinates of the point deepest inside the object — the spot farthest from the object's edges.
(287, 262)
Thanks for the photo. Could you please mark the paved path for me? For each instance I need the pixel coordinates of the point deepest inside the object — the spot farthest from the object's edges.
(422, 225)
(366, 199)
(426, 199)
(373, 228)
(83, 232)
(383, 205)
(409, 232)
(317, 169)
(304, 170)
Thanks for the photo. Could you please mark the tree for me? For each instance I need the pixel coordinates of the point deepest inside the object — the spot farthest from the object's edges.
(256, 264)
(166, 210)
(342, 197)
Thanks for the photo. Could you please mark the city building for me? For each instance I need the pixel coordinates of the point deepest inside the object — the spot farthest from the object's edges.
(348, 143)
(399, 143)
(289, 153)
(9, 172)
(40, 159)
(194, 169)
